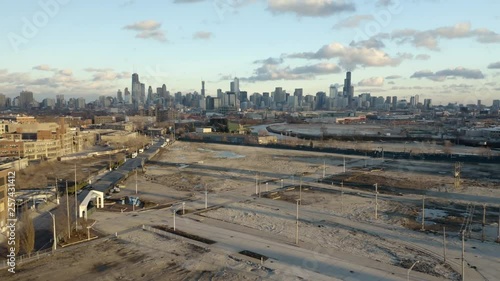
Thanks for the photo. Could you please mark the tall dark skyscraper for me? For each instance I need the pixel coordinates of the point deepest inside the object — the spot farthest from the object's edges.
(203, 88)
(348, 90)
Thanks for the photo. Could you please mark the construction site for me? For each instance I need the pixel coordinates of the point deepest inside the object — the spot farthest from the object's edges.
(375, 217)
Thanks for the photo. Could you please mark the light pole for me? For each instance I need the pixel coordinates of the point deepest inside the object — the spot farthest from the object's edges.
(76, 205)
(423, 213)
(256, 183)
(300, 190)
(206, 199)
(54, 246)
(409, 270)
(463, 256)
(324, 168)
(281, 183)
(341, 196)
(135, 180)
(175, 211)
(67, 209)
(344, 164)
(183, 208)
(376, 201)
(297, 224)
(267, 187)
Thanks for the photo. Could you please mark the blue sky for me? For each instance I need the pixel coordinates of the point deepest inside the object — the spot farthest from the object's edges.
(441, 49)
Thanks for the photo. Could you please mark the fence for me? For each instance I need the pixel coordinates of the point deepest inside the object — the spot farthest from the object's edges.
(27, 258)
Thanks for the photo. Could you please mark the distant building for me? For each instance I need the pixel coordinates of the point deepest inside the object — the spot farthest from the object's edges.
(26, 99)
(4, 206)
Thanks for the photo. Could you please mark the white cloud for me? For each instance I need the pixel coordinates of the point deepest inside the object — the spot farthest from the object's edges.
(148, 29)
(310, 8)
(444, 74)
(372, 82)
(203, 35)
(272, 71)
(430, 38)
(351, 57)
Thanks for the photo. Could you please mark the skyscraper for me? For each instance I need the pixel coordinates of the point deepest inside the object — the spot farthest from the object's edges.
(136, 89)
(126, 96)
(348, 90)
(203, 88)
(119, 96)
(26, 99)
(236, 86)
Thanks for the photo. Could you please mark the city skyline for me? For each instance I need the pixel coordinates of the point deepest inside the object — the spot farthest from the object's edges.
(54, 48)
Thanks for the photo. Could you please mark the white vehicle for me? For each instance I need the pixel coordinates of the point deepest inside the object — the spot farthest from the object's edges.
(134, 155)
(141, 150)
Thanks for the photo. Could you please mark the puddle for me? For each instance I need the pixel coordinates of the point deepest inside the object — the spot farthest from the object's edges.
(229, 154)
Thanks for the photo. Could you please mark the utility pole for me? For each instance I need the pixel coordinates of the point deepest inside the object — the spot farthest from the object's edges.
(484, 222)
(463, 256)
(67, 209)
(423, 213)
(76, 204)
(341, 196)
(183, 208)
(267, 186)
(376, 201)
(297, 224)
(135, 180)
(444, 244)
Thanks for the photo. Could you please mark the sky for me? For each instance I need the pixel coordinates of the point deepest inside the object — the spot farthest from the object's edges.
(447, 50)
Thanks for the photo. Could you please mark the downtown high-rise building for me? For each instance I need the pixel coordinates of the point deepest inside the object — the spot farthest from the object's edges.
(26, 99)
(119, 96)
(203, 88)
(136, 90)
(348, 90)
(126, 96)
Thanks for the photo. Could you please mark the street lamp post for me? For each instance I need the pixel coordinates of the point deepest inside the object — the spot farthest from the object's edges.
(376, 201)
(297, 224)
(54, 246)
(183, 208)
(175, 211)
(67, 209)
(409, 270)
(281, 183)
(136, 181)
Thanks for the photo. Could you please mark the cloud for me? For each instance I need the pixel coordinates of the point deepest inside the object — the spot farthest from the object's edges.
(155, 35)
(353, 21)
(110, 75)
(370, 43)
(392, 77)
(148, 29)
(423, 57)
(92, 69)
(144, 25)
(430, 38)
(372, 82)
(66, 72)
(444, 74)
(43, 67)
(270, 60)
(268, 72)
(203, 35)
(351, 57)
(310, 8)
(494, 65)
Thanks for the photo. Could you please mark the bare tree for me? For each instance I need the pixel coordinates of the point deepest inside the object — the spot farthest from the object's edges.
(28, 232)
